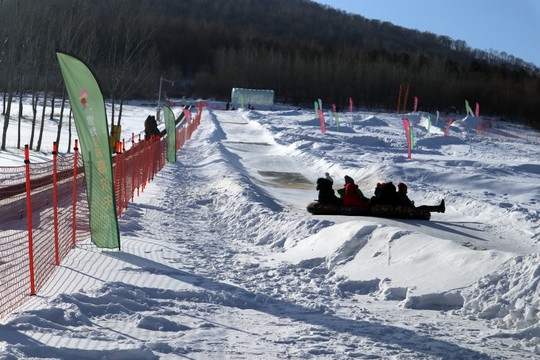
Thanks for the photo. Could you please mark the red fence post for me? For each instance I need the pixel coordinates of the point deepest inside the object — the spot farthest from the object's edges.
(139, 167)
(144, 165)
(75, 165)
(132, 166)
(159, 154)
(55, 204)
(157, 157)
(117, 179)
(152, 162)
(124, 174)
(29, 215)
(152, 151)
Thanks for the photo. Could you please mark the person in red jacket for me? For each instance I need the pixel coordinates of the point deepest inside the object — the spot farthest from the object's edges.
(351, 195)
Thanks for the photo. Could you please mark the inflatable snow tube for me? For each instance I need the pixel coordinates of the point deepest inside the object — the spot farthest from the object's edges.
(387, 211)
(317, 208)
(399, 212)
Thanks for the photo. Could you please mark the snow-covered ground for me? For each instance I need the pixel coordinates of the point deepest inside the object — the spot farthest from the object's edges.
(220, 258)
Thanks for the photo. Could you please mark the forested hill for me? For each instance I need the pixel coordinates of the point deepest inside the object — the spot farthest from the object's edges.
(324, 28)
(300, 49)
(304, 50)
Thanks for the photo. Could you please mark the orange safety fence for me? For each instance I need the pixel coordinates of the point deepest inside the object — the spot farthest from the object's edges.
(44, 209)
(486, 128)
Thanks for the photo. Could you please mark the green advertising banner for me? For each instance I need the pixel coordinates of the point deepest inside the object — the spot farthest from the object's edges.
(88, 109)
(468, 108)
(241, 100)
(170, 126)
(336, 118)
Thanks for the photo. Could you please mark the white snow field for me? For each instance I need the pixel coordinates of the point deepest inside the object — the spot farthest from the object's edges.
(221, 260)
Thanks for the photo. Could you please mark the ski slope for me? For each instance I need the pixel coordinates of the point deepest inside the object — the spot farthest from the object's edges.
(220, 258)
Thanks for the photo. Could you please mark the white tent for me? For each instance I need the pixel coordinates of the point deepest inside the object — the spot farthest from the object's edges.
(252, 96)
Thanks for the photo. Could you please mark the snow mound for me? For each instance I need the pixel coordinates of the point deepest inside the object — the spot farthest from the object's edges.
(394, 264)
(508, 297)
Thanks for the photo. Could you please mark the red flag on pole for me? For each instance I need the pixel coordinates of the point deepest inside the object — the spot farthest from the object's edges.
(321, 118)
(187, 115)
(407, 126)
(448, 126)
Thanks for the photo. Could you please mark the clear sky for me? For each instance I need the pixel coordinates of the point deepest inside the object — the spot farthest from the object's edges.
(512, 26)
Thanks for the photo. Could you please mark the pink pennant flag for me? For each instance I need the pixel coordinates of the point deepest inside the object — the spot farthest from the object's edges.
(415, 104)
(187, 115)
(477, 110)
(321, 118)
(448, 126)
(407, 126)
(350, 104)
(333, 107)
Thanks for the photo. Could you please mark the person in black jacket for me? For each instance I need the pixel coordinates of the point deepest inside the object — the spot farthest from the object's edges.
(326, 192)
(405, 201)
(151, 128)
(386, 194)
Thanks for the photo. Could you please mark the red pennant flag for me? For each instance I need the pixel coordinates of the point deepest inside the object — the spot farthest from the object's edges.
(321, 118)
(448, 126)
(407, 126)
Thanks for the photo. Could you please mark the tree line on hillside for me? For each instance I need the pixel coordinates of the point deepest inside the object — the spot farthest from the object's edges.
(114, 38)
(300, 49)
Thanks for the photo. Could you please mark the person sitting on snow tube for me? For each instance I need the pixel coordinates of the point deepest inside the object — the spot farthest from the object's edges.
(326, 192)
(352, 195)
(405, 201)
(386, 194)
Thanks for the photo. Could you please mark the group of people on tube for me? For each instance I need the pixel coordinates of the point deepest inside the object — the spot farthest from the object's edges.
(385, 194)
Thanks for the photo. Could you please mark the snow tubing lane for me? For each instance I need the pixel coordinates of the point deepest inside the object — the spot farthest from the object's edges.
(386, 211)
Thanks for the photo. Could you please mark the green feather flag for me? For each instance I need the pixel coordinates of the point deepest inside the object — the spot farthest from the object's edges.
(88, 108)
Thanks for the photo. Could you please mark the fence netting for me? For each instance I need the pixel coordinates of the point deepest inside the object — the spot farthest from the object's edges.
(51, 237)
(44, 209)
